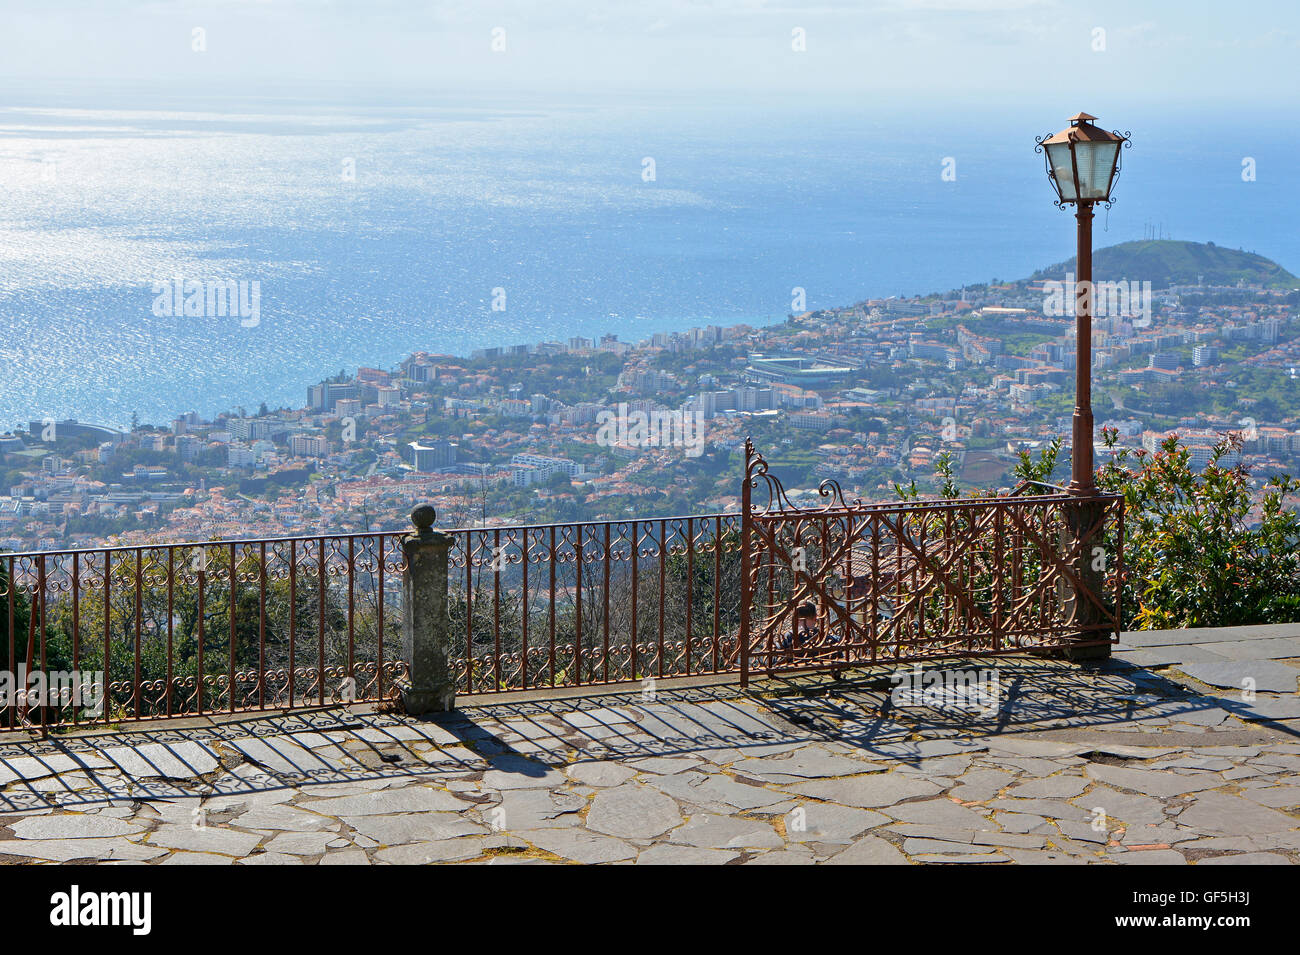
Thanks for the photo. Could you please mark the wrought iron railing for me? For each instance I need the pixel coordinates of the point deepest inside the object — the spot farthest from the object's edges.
(234, 626)
(578, 604)
(160, 631)
(132, 633)
(847, 583)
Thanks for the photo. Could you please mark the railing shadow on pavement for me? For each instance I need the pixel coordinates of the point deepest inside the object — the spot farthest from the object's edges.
(316, 748)
(1036, 695)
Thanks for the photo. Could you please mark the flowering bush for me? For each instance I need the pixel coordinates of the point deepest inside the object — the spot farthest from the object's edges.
(1200, 550)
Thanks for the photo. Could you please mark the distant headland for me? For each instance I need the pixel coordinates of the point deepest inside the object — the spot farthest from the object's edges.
(1168, 262)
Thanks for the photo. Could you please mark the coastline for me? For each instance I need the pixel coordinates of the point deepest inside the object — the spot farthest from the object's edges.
(351, 370)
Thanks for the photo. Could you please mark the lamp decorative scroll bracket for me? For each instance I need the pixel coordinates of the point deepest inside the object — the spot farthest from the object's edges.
(758, 476)
(1126, 138)
(1047, 166)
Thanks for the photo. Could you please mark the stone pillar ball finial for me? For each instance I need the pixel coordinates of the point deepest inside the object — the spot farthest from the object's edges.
(423, 517)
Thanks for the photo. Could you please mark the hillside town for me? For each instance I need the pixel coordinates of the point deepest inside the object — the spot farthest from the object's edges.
(869, 395)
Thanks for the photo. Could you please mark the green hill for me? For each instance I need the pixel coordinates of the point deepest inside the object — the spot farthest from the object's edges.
(1165, 262)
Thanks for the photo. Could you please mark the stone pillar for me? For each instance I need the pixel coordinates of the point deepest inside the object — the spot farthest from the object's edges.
(430, 686)
(1082, 612)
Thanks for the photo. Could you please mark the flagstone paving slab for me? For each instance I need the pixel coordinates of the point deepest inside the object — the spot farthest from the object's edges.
(426, 853)
(1275, 797)
(1150, 857)
(1149, 835)
(230, 842)
(1203, 635)
(390, 830)
(1083, 831)
(1132, 808)
(867, 792)
(600, 774)
(665, 854)
(1158, 656)
(516, 772)
(196, 858)
(406, 799)
(65, 850)
(633, 812)
(300, 843)
(534, 809)
(1264, 649)
(73, 826)
(970, 859)
(1153, 782)
(1019, 821)
(915, 847)
(1201, 713)
(869, 850)
(938, 812)
(726, 832)
(1253, 674)
(1052, 809)
(736, 795)
(1056, 787)
(270, 858)
(579, 845)
(829, 823)
(1036, 747)
(1008, 839)
(792, 855)
(279, 817)
(813, 762)
(1265, 707)
(1223, 813)
(664, 765)
(181, 760)
(346, 857)
(981, 784)
(1028, 765)
(1045, 857)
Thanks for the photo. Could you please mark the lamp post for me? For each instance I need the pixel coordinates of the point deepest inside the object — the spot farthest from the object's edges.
(1082, 164)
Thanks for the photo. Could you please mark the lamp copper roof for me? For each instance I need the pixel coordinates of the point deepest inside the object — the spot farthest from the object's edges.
(1081, 130)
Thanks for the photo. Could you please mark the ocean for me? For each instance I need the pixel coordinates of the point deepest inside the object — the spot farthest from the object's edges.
(372, 230)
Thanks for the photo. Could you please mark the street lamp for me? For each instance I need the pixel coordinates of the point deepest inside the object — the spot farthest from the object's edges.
(1082, 164)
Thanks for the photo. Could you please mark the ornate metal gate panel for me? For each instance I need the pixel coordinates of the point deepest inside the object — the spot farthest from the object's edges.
(843, 583)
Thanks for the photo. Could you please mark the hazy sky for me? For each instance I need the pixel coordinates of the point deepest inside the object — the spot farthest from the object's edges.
(1240, 54)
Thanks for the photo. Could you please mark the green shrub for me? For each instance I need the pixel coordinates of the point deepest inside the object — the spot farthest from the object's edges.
(1200, 549)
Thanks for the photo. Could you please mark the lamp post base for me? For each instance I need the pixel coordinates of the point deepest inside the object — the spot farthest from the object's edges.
(1078, 654)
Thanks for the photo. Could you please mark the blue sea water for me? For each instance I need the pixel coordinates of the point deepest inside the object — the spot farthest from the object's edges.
(100, 200)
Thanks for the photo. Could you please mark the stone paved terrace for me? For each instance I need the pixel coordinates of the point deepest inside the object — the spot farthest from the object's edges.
(795, 771)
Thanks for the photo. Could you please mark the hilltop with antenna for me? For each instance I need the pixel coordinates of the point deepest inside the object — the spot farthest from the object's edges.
(1166, 262)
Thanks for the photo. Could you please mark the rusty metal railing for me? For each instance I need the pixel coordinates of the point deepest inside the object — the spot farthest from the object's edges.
(850, 584)
(231, 626)
(578, 604)
(135, 633)
(167, 630)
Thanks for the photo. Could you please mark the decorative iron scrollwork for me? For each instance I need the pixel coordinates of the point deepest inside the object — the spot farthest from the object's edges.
(756, 470)
(831, 489)
(1119, 162)
(1047, 166)
(778, 500)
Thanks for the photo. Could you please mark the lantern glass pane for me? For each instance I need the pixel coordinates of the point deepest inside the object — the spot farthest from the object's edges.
(1058, 158)
(1096, 164)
